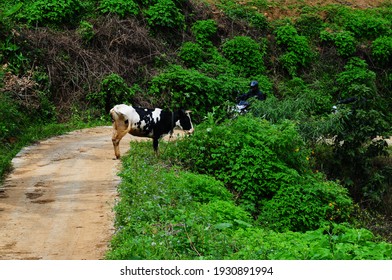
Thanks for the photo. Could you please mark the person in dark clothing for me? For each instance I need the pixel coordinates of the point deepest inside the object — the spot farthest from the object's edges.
(254, 91)
(347, 100)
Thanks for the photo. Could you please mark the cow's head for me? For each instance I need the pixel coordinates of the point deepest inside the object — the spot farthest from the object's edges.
(184, 121)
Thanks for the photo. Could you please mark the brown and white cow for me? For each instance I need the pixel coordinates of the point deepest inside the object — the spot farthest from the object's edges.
(152, 123)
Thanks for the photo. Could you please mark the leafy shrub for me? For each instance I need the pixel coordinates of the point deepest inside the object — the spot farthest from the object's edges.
(365, 25)
(187, 89)
(307, 206)
(225, 214)
(252, 157)
(382, 49)
(52, 11)
(203, 90)
(245, 53)
(334, 242)
(191, 54)
(166, 213)
(362, 121)
(309, 25)
(286, 35)
(344, 41)
(258, 20)
(357, 79)
(165, 14)
(113, 90)
(248, 11)
(86, 31)
(296, 48)
(121, 8)
(202, 188)
(204, 30)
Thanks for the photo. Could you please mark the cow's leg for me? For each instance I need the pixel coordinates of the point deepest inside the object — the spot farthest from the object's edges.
(155, 145)
(116, 138)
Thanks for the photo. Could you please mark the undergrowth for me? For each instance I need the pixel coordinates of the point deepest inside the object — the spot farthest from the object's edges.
(165, 212)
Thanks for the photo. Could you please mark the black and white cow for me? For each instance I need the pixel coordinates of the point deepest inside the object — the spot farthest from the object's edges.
(152, 123)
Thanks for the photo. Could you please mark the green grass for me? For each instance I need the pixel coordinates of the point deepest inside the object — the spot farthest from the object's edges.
(167, 213)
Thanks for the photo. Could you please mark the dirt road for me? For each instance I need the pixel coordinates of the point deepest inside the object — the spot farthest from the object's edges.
(57, 203)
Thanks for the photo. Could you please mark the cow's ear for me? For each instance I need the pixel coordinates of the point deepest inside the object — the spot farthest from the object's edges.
(188, 111)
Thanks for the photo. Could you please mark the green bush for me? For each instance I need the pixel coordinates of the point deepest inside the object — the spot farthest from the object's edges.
(357, 79)
(367, 26)
(203, 188)
(122, 8)
(258, 20)
(309, 25)
(165, 14)
(296, 48)
(191, 54)
(166, 213)
(252, 157)
(45, 12)
(334, 242)
(200, 91)
(246, 11)
(360, 122)
(86, 31)
(225, 214)
(246, 54)
(382, 49)
(307, 206)
(204, 30)
(187, 88)
(113, 90)
(344, 41)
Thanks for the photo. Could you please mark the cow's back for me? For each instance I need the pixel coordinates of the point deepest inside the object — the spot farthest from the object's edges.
(124, 111)
(147, 121)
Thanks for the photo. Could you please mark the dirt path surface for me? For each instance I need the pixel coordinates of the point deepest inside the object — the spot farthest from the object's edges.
(57, 203)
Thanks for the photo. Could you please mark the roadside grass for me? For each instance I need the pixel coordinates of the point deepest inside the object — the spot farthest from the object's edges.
(167, 213)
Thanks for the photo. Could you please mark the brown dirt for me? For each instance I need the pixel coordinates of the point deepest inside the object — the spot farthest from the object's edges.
(57, 203)
(362, 4)
(280, 9)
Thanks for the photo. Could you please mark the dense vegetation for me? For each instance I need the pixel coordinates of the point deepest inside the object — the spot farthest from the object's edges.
(291, 180)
